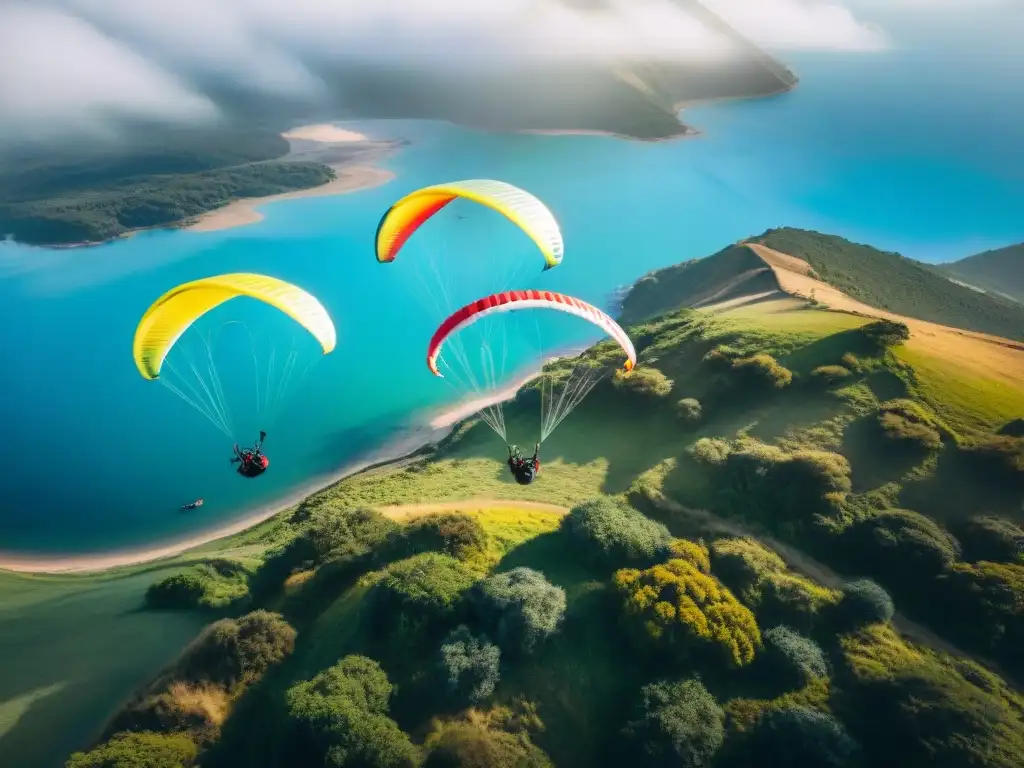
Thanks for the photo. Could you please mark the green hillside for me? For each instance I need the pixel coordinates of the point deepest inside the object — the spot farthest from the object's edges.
(760, 514)
(1000, 271)
(895, 283)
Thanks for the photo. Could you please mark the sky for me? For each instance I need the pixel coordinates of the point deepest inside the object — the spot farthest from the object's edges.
(83, 66)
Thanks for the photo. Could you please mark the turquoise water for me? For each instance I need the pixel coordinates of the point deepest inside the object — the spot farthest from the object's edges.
(895, 150)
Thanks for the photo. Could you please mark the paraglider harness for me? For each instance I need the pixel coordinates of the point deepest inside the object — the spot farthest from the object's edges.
(251, 462)
(523, 470)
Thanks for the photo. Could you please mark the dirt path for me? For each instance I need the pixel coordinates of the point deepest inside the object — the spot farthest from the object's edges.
(803, 563)
(409, 511)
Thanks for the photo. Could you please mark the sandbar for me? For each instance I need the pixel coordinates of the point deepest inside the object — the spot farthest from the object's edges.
(240, 213)
(435, 429)
(324, 133)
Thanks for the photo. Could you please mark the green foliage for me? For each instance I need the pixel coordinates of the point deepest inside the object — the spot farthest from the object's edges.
(689, 410)
(472, 745)
(794, 658)
(94, 215)
(907, 422)
(696, 554)
(864, 602)
(451, 533)
(994, 539)
(898, 284)
(610, 534)
(139, 750)
(798, 737)
(422, 591)
(712, 451)
(808, 482)
(883, 334)
(340, 719)
(520, 608)
(212, 585)
(760, 578)
(761, 372)
(988, 601)
(235, 652)
(646, 383)
(680, 608)
(198, 710)
(721, 358)
(998, 459)
(830, 375)
(1013, 428)
(469, 665)
(914, 707)
(332, 533)
(901, 545)
(676, 725)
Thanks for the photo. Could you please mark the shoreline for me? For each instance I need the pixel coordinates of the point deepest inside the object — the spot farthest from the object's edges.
(244, 211)
(430, 431)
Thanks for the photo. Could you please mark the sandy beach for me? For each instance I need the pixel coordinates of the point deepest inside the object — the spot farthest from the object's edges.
(434, 428)
(242, 212)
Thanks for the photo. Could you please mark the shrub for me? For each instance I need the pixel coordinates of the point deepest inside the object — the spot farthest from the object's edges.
(808, 482)
(987, 600)
(647, 383)
(993, 539)
(689, 410)
(797, 659)
(610, 533)
(720, 358)
(472, 745)
(712, 451)
(1013, 428)
(198, 709)
(864, 602)
(176, 592)
(798, 737)
(451, 533)
(341, 719)
(760, 372)
(520, 608)
(139, 750)
(679, 608)
(696, 554)
(999, 460)
(236, 652)
(470, 666)
(423, 591)
(334, 533)
(902, 544)
(760, 578)
(907, 422)
(882, 334)
(676, 725)
(829, 375)
(851, 362)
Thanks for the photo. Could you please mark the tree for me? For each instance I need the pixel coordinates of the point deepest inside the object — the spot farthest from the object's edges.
(798, 737)
(680, 608)
(676, 725)
(469, 665)
(795, 659)
(424, 591)
(994, 539)
(829, 375)
(234, 652)
(901, 544)
(520, 608)
(864, 602)
(471, 745)
(761, 372)
(610, 533)
(689, 410)
(139, 750)
(451, 533)
(341, 719)
(883, 334)
(645, 383)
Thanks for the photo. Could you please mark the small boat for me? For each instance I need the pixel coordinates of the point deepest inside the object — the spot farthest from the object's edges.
(193, 505)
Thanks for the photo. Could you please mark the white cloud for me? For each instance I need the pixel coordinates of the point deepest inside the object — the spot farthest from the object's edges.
(800, 24)
(59, 68)
(81, 64)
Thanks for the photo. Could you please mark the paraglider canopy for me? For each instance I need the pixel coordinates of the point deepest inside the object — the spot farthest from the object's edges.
(171, 315)
(523, 209)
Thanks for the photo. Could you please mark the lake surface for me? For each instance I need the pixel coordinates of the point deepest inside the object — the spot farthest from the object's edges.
(901, 150)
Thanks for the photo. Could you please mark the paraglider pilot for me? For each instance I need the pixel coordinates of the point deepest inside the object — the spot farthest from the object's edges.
(251, 462)
(523, 470)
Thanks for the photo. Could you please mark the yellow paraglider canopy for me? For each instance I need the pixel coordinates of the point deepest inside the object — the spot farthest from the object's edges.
(172, 314)
(523, 209)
